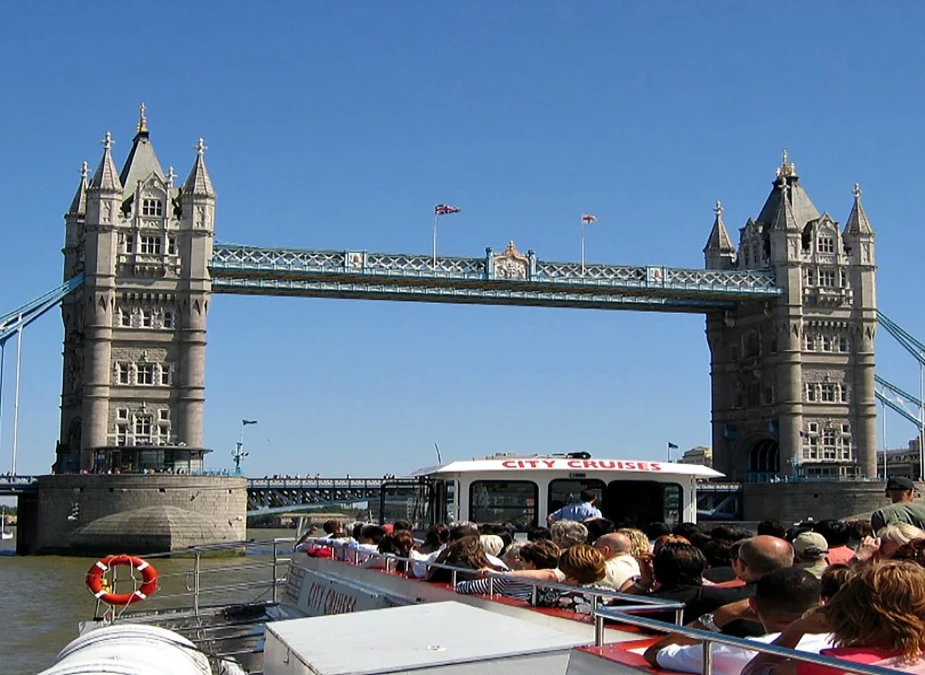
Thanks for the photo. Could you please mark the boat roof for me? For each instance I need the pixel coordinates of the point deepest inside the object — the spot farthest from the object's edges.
(515, 464)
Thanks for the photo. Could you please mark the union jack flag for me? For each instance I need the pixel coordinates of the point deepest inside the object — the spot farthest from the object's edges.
(444, 209)
(587, 218)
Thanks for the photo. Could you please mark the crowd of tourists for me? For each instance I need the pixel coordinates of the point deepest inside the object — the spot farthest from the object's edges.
(853, 590)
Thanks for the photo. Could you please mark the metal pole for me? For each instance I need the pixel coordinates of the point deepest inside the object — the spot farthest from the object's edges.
(582, 228)
(921, 422)
(435, 240)
(883, 424)
(2, 359)
(275, 570)
(707, 657)
(16, 397)
(198, 555)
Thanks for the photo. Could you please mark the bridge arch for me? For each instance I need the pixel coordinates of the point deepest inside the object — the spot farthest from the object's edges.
(763, 454)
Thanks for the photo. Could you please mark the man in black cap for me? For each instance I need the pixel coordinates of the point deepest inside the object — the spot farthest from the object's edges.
(901, 492)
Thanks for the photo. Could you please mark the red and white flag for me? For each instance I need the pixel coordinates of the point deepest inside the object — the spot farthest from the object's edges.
(445, 209)
(587, 218)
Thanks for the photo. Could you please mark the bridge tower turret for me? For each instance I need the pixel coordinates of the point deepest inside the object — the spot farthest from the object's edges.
(133, 388)
(793, 379)
(197, 218)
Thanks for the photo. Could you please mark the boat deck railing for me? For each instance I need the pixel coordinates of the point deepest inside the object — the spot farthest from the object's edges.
(632, 614)
(709, 639)
(602, 611)
(274, 565)
(637, 604)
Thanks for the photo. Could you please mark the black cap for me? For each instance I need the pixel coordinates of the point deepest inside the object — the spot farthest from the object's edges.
(899, 483)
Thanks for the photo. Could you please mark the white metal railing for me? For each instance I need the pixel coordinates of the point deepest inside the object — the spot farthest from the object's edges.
(193, 578)
(638, 604)
(709, 639)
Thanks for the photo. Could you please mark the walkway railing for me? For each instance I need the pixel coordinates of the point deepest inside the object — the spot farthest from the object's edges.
(194, 589)
(638, 604)
(709, 639)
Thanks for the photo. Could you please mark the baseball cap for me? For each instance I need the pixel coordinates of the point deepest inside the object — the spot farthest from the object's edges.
(810, 545)
(899, 483)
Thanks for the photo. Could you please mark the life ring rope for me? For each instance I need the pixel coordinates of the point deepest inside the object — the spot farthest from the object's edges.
(96, 580)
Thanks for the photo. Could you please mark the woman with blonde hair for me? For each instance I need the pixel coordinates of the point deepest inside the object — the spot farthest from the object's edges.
(640, 541)
(581, 565)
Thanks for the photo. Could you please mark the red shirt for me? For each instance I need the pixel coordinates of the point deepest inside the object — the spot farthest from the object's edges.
(839, 554)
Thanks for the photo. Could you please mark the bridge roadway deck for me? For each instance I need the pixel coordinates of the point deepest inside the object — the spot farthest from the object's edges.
(509, 278)
(277, 495)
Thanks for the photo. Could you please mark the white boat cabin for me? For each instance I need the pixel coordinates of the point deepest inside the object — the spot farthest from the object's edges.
(525, 490)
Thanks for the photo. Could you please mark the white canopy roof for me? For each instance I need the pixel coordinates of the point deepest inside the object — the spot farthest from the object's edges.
(520, 465)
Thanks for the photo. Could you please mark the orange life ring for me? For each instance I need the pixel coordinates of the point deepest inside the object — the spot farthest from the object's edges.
(148, 579)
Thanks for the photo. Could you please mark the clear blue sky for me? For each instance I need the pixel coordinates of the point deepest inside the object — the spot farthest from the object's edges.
(339, 125)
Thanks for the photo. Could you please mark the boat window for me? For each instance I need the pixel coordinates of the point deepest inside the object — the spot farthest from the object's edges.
(639, 502)
(443, 499)
(565, 491)
(504, 501)
(405, 500)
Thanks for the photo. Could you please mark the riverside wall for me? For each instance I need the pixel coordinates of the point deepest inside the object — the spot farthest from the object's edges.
(794, 502)
(89, 514)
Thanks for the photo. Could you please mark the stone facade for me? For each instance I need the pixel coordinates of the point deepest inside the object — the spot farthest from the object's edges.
(90, 514)
(795, 502)
(135, 333)
(793, 379)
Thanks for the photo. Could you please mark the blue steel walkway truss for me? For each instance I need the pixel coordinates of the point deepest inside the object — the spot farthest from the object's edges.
(508, 278)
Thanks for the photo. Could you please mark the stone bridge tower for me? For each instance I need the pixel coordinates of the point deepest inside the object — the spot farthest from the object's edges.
(793, 379)
(135, 334)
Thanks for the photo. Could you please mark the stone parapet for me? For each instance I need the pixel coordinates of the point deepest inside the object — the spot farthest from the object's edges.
(794, 502)
(90, 514)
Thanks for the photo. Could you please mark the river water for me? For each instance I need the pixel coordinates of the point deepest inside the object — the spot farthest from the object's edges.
(44, 598)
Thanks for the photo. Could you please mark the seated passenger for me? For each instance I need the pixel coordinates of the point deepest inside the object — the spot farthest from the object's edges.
(676, 573)
(420, 570)
(781, 598)
(566, 533)
(877, 618)
(810, 550)
(582, 566)
(434, 539)
(622, 567)
(757, 556)
(492, 544)
(398, 544)
(466, 553)
(641, 544)
(537, 555)
(359, 550)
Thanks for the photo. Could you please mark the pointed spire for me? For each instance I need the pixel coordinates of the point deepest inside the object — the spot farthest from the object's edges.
(784, 220)
(106, 177)
(170, 176)
(141, 161)
(79, 203)
(142, 119)
(719, 240)
(198, 182)
(857, 219)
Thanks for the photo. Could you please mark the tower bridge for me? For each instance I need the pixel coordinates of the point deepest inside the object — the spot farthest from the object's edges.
(790, 310)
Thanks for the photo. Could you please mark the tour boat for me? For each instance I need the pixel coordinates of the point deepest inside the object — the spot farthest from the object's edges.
(329, 615)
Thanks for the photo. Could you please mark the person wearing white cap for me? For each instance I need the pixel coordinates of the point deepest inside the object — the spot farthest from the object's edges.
(809, 551)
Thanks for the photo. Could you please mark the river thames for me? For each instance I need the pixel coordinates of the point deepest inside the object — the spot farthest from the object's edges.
(45, 598)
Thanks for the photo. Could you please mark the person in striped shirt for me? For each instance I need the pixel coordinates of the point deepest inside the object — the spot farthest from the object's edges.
(536, 555)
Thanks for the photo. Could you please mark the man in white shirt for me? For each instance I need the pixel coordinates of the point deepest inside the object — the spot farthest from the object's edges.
(622, 567)
(781, 597)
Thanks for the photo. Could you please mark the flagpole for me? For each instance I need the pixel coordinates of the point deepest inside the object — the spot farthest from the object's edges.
(435, 239)
(582, 228)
